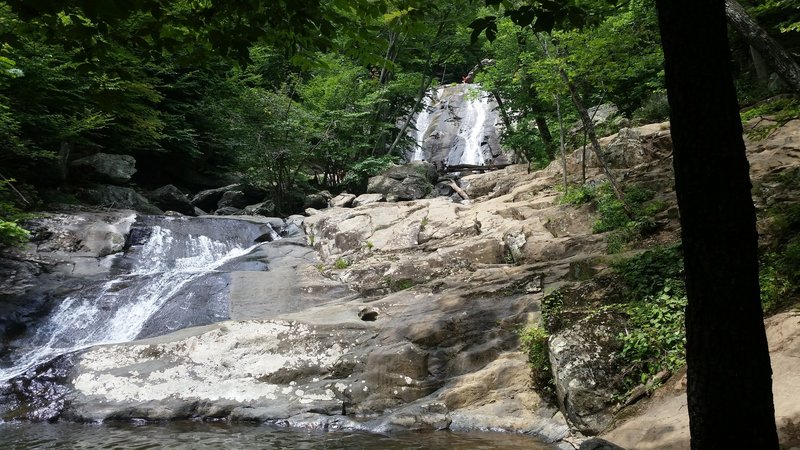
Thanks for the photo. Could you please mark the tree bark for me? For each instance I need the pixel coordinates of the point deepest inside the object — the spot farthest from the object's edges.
(547, 137)
(729, 375)
(775, 56)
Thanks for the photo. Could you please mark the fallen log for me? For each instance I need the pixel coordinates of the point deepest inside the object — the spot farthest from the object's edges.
(468, 167)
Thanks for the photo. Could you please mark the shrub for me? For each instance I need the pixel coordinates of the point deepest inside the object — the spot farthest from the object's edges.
(655, 301)
(656, 339)
(11, 234)
(533, 341)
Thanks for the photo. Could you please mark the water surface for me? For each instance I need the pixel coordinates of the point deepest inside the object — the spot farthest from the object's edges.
(201, 435)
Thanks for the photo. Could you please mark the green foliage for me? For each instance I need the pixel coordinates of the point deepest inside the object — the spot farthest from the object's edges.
(780, 265)
(399, 284)
(656, 338)
(578, 195)
(778, 110)
(11, 234)
(341, 263)
(552, 305)
(655, 108)
(533, 341)
(612, 213)
(359, 172)
(614, 218)
(785, 11)
(655, 301)
(646, 274)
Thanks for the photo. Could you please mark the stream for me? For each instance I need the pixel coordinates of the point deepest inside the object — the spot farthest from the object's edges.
(200, 435)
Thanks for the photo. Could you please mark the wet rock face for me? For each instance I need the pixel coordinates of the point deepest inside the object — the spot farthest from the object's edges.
(458, 125)
(415, 365)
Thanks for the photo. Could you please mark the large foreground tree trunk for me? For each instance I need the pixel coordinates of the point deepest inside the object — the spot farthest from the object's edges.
(769, 49)
(729, 375)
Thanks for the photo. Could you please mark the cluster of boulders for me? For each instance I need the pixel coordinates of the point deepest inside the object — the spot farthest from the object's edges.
(413, 181)
(104, 179)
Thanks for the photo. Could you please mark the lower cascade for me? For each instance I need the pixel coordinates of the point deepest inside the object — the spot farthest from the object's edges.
(168, 277)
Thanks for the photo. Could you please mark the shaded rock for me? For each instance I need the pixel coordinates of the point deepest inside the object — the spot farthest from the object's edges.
(207, 200)
(598, 444)
(406, 182)
(413, 169)
(319, 200)
(343, 200)
(104, 168)
(228, 211)
(170, 198)
(232, 199)
(365, 199)
(599, 114)
(117, 197)
(265, 208)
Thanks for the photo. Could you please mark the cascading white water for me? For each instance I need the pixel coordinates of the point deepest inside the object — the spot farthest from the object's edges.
(456, 125)
(471, 130)
(120, 308)
(423, 122)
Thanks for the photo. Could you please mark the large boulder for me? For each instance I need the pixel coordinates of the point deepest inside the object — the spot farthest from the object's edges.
(343, 200)
(586, 370)
(317, 200)
(104, 168)
(117, 197)
(265, 208)
(232, 199)
(170, 198)
(207, 200)
(407, 182)
(366, 199)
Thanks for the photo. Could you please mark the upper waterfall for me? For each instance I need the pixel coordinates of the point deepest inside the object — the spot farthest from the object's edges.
(457, 125)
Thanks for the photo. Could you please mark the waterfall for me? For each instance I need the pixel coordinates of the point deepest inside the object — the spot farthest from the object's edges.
(456, 125)
(471, 130)
(423, 122)
(173, 256)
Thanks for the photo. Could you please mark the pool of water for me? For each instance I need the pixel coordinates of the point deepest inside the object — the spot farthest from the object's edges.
(200, 435)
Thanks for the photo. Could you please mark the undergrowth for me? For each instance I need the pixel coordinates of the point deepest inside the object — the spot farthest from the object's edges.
(613, 217)
(779, 276)
(655, 302)
(11, 233)
(778, 110)
(533, 340)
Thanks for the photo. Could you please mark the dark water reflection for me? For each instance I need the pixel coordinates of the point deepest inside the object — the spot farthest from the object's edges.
(198, 435)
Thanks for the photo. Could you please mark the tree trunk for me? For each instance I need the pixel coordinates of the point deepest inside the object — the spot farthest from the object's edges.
(760, 66)
(775, 56)
(547, 137)
(588, 125)
(729, 375)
